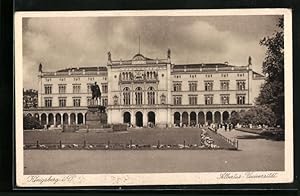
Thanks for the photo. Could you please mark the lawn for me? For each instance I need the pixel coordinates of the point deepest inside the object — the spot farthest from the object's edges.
(148, 136)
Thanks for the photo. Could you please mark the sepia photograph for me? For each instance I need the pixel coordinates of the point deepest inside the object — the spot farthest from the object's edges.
(167, 97)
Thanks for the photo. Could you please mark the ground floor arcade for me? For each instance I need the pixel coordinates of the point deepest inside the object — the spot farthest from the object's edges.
(139, 118)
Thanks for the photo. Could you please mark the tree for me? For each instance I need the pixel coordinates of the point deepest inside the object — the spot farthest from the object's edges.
(272, 91)
(30, 122)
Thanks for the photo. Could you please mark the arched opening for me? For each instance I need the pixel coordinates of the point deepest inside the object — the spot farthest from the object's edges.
(126, 96)
(193, 119)
(80, 118)
(177, 118)
(73, 118)
(151, 96)
(51, 119)
(233, 113)
(138, 96)
(29, 115)
(65, 118)
(201, 118)
(225, 116)
(217, 117)
(139, 119)
(58, 119)
(127, 118)
(151, 119)
(209, 118)
(185, 119)
(43, 119)
(36, 115)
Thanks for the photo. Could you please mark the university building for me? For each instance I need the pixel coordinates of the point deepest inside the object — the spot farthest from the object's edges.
(143, 91)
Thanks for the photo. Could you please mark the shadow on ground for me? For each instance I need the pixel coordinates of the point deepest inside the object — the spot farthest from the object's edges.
(260, 137)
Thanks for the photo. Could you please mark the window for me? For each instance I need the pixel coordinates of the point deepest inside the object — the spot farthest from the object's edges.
(104, 88)
(177, 86)
(89, 101)
(208, 85)
(89, 90)
(104, 101)
(193, 86)
(163, 99)
(91, 79)
(62, 102)
(48, 102)
(76, 88)
(76, 79)
(138, 96)
(177, 100)
(193, 100)
(126, 96)
(208, 75)
(224, 85)
(208, 99)
(241, 85)
(224, 99)
(76, 102)
(151, 96)
(62, 79)
(224, 75)
(241, 99)
(48, 89)
(115, 98)
(61, 88)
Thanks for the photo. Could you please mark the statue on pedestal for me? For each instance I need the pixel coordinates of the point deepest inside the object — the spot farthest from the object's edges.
(96, 94)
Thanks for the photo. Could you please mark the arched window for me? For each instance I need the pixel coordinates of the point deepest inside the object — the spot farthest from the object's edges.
(138, 96)
(126, 96)
(151, 96)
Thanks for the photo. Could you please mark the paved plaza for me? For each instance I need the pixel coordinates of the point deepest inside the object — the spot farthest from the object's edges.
(254, 154)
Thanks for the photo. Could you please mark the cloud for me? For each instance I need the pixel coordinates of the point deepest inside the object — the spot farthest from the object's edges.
(84, 41)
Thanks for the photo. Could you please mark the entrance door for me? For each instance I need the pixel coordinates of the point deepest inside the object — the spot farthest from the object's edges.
(126, 118)
(139, 119)
(151, 119)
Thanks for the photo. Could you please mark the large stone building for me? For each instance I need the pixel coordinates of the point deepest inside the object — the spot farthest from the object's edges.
(143, 91)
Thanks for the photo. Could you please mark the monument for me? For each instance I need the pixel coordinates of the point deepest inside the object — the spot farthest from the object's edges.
(96, 116)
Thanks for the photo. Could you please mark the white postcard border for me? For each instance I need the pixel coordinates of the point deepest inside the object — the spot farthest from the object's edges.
(285, 176)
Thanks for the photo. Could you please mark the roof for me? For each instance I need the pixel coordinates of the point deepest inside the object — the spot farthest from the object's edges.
(140, 57)
(206, 65)
(84, 68)
(257, 75)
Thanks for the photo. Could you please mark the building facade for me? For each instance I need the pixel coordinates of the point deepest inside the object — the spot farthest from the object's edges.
(142, 91)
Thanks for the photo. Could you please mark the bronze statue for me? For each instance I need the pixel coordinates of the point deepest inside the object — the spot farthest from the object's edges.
(169, 53)
(96, 93)
(109, 56)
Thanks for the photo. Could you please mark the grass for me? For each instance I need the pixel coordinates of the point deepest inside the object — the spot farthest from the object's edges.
(149, 136)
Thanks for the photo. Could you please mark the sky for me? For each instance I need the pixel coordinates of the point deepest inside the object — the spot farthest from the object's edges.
(66, 42)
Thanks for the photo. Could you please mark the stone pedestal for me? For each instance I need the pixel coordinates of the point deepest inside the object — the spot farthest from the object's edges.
(96, 117)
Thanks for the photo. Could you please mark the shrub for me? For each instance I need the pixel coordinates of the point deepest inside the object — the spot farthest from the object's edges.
(30, 122)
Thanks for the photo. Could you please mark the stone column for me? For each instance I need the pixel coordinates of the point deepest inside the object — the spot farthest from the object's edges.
(188, 119)
(76, 119)
(212, 117)
(221, 117)
(47, 119)
(196, 121)
(133, 119)
(61, 119)
(54, 120)
(83, 118)
(145, 119)
(204, 118)
(40, 118)
(69, 119)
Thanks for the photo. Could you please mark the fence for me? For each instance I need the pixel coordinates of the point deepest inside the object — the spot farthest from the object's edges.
(234, 142)
(130, 145)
